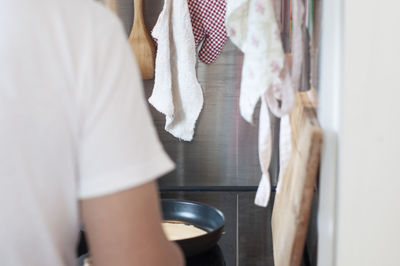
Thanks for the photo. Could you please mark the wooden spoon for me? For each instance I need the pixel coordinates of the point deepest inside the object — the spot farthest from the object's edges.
(141, 43)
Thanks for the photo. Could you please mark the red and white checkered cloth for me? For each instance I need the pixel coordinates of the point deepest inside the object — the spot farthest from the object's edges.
(208, 23)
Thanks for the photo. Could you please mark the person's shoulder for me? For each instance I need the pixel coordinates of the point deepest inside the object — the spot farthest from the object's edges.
(90, 12)
(102, 17)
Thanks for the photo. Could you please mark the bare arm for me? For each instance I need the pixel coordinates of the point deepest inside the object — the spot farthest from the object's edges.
(125, 229)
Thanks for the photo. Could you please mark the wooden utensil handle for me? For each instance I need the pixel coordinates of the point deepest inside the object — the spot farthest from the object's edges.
(138, 16)
(141, 43)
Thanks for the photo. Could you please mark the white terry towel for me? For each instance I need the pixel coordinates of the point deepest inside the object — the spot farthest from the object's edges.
(177, 93)
(252, 26)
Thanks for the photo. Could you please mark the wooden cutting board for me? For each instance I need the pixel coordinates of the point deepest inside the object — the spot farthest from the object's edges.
(292, 205)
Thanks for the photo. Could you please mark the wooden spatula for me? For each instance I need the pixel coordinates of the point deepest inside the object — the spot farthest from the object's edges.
(141, 43)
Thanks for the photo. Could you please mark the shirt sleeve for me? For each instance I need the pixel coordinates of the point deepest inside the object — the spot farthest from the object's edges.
(118, 145)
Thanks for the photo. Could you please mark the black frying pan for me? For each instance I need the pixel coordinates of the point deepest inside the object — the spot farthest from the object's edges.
(198, 214)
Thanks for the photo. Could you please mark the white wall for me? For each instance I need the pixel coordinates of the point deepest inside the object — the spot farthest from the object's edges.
(329, 109)
(363, 220)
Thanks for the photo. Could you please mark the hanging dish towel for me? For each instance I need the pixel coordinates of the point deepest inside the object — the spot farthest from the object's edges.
(298, 46)
(208, 23)
(266, 73)
(177, 93)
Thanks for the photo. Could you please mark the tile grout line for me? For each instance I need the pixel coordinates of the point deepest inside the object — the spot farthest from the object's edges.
(237, 229)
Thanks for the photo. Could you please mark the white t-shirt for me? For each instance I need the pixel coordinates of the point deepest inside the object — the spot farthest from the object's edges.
(73, 124)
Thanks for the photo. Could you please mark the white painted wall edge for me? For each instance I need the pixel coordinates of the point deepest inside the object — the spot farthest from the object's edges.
(331, 81)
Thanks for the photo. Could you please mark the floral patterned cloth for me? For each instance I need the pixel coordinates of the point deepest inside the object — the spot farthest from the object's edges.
(266, 74)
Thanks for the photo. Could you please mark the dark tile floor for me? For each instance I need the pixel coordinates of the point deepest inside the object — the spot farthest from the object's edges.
(247, 240)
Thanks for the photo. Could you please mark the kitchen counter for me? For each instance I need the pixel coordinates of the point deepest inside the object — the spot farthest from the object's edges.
(247, 240)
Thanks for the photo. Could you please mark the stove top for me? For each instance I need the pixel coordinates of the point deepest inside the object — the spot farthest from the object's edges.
(213, 257)
(247, 238)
